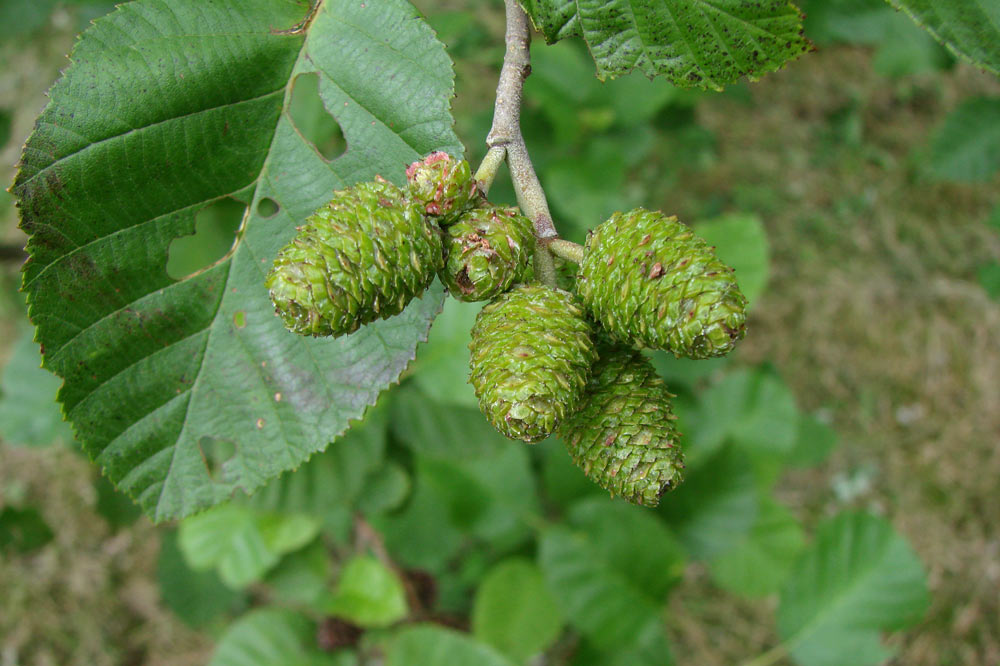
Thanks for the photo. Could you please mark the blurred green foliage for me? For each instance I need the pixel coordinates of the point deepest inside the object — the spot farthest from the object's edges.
(516, 541)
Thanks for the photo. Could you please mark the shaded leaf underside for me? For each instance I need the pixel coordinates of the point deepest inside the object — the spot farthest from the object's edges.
(693, 43)
(166, 108)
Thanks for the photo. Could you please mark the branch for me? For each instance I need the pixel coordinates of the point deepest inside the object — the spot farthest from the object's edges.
(506, 134)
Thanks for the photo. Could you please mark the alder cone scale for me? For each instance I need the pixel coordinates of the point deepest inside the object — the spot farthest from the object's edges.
(488, 249)
(443, 187)
(363, 256)
(532, 354)
(623, 435)
(650, 282)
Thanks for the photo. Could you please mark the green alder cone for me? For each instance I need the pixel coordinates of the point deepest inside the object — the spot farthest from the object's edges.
(443, 187)
(363, 256)
(488, 250)
(531, 358)
(650, 282)
(623, 435)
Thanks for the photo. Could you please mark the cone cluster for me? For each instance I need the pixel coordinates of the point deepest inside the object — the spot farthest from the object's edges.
(544, 360)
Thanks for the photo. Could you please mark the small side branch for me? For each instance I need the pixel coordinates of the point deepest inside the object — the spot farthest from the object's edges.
(567, 250)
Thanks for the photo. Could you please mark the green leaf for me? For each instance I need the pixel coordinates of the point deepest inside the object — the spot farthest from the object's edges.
(989, 278)
(431, 644)
(610, 574)
(197, 597)
(385, 489)
(114, 507)
(442, 366)
(752, 408)
(514, 611)
(631, 539)
(588, 187)
(562, 480)
(715, 506)
(29, 413)
(650, 648)
(969, 28)
(442, 431)
(847, 21)
(241, 544)
(165, 109)
(758, 564)
(368, 594)
(489, 497)
(331, 480)
(18, 17)
(421, 535)
(813, 444)
(23, 530)
(857, 578)
(270, 637)
(303, 576)
(741, 241)
(966, 147)
(694, 43)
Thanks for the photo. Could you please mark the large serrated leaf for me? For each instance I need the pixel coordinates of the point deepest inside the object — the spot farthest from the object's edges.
(694, 43)
(859, 577)
(969, 28)
(166, 108)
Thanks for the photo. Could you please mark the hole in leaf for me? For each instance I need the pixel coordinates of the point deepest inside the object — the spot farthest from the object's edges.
(312, 120)
(240, 319)
(214, 233)
(267, 207)
(215, 453)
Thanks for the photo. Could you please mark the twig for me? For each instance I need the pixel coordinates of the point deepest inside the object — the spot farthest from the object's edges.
(567, 250)
(487, 171)
(506, 134)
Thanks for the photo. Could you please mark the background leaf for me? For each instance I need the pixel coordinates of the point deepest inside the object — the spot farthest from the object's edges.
(715, 506)
(514, 610)
(197, 597)
(270, 636)
(741, 242)
(23, 530)
(611, 572)
(29, 413)
(241, 544)
(970, 28)
(857, 578)
(966, 147)
(153, 365)
(429, 644)
(368, 594)
(758, 564)
(694, 43)
(752, 408)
